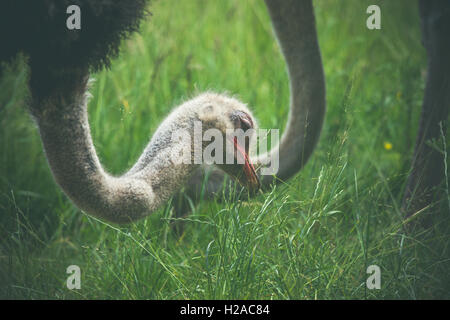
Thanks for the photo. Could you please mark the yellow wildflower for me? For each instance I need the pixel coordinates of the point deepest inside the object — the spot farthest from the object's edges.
(126, 105)
(388, 145)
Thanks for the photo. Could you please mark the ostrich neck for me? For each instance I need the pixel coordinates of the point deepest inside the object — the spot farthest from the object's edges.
(63, 124)
(294, 25)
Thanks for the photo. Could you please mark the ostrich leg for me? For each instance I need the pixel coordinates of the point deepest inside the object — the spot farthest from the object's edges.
(427, 171)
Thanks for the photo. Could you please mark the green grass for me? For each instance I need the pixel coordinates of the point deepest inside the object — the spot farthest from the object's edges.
(311, 238)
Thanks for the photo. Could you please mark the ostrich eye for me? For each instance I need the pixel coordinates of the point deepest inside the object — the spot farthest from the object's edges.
(246, 123)
(242, 120)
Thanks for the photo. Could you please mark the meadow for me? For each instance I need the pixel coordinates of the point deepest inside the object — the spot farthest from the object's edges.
(312, 237)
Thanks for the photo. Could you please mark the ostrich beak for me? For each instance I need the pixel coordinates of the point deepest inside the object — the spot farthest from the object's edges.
(247, 174)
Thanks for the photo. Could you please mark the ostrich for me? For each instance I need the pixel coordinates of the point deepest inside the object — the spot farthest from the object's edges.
(60, 62)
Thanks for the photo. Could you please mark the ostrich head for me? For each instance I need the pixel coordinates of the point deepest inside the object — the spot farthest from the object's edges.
(236, 123)
(213, 116)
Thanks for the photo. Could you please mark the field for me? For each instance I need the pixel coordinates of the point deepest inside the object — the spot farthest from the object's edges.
(310, 238)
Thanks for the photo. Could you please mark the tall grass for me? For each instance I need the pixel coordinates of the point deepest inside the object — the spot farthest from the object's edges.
(310, 238)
